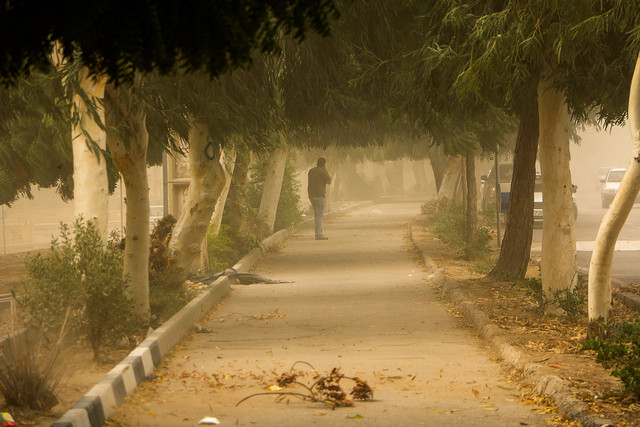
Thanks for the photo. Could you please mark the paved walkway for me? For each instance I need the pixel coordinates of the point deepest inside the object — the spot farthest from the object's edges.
(360, 301)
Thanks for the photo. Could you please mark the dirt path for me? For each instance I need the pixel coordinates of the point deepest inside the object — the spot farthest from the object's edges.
(359, 302)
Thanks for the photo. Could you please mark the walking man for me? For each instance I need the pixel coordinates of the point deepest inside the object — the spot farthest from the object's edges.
(317, 188)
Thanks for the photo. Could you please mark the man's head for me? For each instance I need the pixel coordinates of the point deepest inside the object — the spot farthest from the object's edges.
(321, 162)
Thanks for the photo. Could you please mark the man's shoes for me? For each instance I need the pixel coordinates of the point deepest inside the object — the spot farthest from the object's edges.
(322, 238)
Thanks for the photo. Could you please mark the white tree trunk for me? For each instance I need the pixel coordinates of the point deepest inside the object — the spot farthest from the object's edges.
(558, 264)
(131, 159)
(207, 182)
(450, 182)
(272, 187)
(91, 186)
(614, 219)
(420, 175)
(228, 162)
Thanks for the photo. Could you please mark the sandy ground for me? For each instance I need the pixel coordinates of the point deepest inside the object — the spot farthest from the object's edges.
(360, 302)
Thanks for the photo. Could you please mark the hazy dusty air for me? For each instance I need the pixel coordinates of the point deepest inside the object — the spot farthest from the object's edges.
(598, 149)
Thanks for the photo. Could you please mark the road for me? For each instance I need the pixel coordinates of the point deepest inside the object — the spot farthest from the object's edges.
(357, 301)
(626, 260)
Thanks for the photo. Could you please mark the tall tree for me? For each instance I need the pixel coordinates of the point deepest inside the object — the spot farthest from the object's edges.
(614, 219)
(508, 49)
(211, 35)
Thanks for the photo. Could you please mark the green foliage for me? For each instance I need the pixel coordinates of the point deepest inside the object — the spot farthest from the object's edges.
(449, 224)
(622, 354)
(165, 298)
(288, 213)
(226, 248)
(208, 35)
(534, 289)
(85, 278)
(571, 301)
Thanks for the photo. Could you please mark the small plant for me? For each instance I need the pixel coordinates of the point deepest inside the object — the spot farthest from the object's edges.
(226, 247)
(85, 278)
(571, 301)
(622, 354)
(534, 289)
(429, 208)
(449, 224)
(30, 371)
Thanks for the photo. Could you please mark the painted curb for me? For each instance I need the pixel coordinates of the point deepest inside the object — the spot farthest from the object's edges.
(549, 385)
(95, 407)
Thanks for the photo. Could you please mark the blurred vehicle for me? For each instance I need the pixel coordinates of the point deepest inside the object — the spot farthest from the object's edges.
(610, 186)
(537, 201)
(601, 175)
(488, 187)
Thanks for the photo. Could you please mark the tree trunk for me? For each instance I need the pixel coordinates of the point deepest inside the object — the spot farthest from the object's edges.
(559, 265)
(131, 159)
(449, 186)
(205, 187)
(472, 199)
(272, 187)
(420, 175)
(228, 162)
(516, 245)
(239, 182)
(614, 219)
(91, 186)
(439, 163)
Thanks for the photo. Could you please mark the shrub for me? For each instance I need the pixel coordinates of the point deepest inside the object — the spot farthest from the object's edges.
(622, 354)
(534, 289)
(85, 278)
(30, 372)
(449, 224)
(227, 247)
(571, 301)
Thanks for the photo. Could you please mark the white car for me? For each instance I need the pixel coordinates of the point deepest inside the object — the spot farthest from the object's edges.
(537, 201)
(610, 186)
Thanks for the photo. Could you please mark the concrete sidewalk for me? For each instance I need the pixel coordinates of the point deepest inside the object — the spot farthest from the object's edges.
(360, 302)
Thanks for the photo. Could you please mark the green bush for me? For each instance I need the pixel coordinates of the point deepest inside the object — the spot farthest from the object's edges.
(226, 248)
(571, 301)
(85, 278)
(30, 371)
(535, 290)
(165, 298)
(622, 354)
(449, 224)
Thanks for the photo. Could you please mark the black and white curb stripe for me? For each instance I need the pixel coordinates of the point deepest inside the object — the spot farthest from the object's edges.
(98, 404)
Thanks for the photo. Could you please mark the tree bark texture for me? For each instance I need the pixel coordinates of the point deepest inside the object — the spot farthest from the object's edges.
(472, 198)
(131, 158)
(228, 162)
(420, 175)
(237, 196)
(272, 187)
(439, 163)
(89, 140)
(559, 264)
(450, 182)
(602, 256)
(516, 246)
(205, 187)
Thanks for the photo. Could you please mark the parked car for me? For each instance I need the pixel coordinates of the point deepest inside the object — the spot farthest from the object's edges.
(610, 186)
(488, 187)
(537, 201)
(601, 174)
